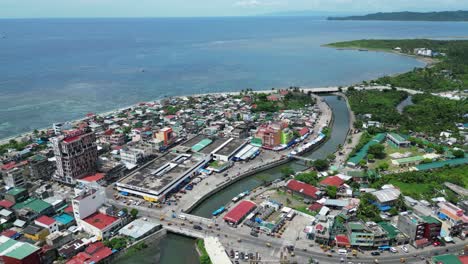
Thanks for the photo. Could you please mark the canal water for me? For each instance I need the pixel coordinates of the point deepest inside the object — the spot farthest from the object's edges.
(177, 249)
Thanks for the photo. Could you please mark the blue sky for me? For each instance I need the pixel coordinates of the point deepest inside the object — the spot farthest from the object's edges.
(176, 8)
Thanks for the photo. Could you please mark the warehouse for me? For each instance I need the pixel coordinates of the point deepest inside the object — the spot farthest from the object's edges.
(228, 150)
(238, 213)
(168, 173)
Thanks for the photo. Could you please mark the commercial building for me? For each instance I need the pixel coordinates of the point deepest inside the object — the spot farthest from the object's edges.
(88, 199)
(40, 167)
(139, 228)
(136, 154)
(227, 151)
(162, 176)
(456, 217)
(76, 155)
(420, 230)
(14, 177)
(359, 235)
(303, 189)
(16, 252)
(286, 136)
(269, 135)
(16, 195)
(239, 212)
(166, 135)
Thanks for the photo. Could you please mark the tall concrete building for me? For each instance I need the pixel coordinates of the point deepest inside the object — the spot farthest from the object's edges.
(76, 155)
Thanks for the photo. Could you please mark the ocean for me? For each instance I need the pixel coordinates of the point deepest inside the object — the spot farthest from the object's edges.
(54, 70)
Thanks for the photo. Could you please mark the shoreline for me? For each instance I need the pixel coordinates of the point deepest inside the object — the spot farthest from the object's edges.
(429, 62)
(30, 133)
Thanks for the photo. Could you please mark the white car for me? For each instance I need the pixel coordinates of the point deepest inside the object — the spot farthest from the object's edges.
(236, 255)
(393, 250)
(405, 249)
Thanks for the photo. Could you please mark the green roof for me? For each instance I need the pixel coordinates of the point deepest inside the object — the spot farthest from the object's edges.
(201, 145)
(15, 191)
(430, 220)
(15, 249)
(356, 226)
(363, 151)
(390, 229)
(440, 164)
(34, 204)
(446, 259)
(410, 159)
(398, 137)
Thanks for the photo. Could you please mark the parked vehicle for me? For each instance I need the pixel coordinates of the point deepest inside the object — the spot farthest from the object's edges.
(197, 227)
(375, 253)
(393, 250)
(405, 249)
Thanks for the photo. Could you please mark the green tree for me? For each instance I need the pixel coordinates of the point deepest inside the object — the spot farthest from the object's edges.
(307, 177)
(378, 150)
(331, 191)
(458, 153)
(320, 164)
(134, 212)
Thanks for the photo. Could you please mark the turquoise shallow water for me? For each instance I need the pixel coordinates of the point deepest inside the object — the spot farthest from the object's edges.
(54, 70)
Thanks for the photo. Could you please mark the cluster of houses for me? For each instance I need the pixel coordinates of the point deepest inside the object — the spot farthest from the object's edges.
(336, 222)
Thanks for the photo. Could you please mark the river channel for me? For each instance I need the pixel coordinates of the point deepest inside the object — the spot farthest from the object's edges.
(176, 249)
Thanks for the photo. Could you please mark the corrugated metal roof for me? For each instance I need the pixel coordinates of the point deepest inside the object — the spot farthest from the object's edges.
(201, 145)
(440, 164)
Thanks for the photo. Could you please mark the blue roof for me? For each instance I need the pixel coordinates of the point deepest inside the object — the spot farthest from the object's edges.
(442, 216)
(64, 218)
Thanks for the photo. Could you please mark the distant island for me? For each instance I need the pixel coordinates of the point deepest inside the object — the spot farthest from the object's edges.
(410, 16)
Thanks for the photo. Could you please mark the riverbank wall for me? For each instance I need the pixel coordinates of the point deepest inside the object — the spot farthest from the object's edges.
(151, 241)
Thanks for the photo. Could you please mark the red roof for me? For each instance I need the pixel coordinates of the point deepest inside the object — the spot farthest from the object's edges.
(6, 203)
(69, 209)
(315, 207)
(342, 240)
(332, 181)
(303, 131)
(10, 165)
(71, 139)
(319, 227)
(101, 254)
(304, 188)
(94, 247)
(45, 220)
(9, 233)
(238, 212)
(99, 220)
(93, 178)
(463, 259)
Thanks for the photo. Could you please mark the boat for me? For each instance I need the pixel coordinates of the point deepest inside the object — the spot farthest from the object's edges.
(240, 196)
(219, 211)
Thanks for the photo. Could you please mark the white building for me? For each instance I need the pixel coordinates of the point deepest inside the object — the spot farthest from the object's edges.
(47, 222)
(89, 198)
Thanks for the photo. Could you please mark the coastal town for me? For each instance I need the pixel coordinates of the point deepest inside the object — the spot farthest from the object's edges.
(109, 185)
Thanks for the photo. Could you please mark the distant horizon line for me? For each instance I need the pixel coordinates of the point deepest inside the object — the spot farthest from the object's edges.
(290, 13)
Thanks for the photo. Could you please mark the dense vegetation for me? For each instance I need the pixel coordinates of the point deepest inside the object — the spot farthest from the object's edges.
(382, 105)
(429, 114)
(411, 16)
(307, 177)
(427, 184)
(432, 114)
(293, 100)
(13, 144)
(450, 73)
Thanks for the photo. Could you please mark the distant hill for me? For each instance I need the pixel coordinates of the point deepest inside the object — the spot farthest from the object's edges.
(410, 16)
(309, 13)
